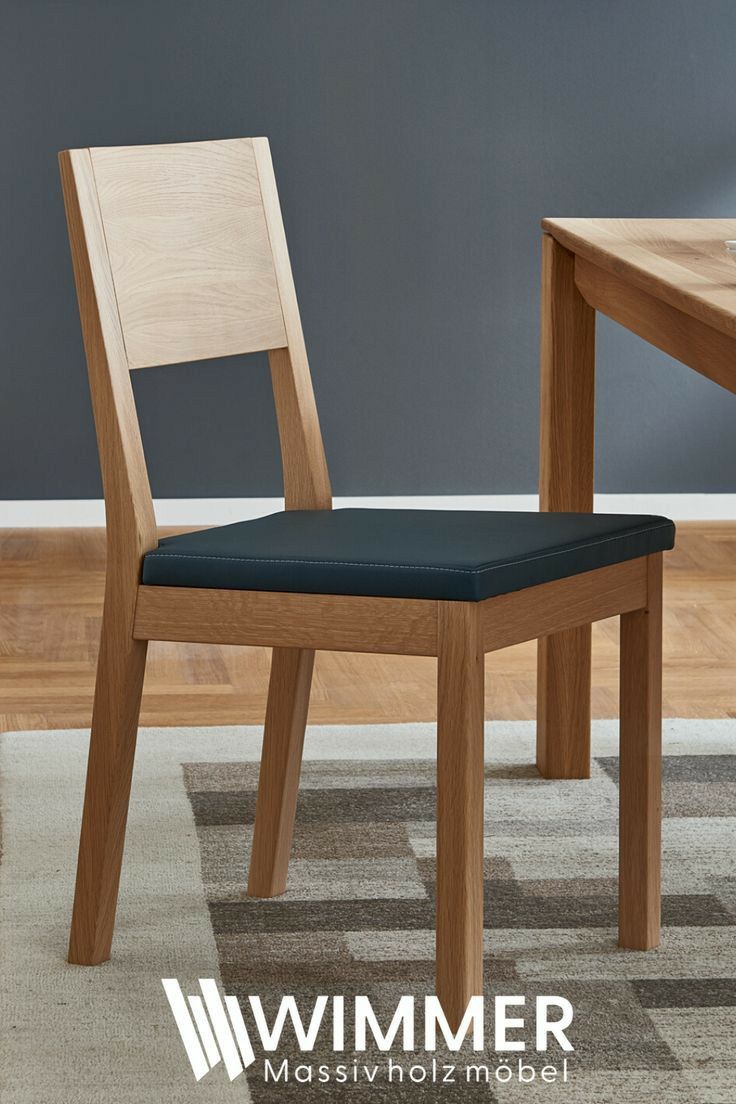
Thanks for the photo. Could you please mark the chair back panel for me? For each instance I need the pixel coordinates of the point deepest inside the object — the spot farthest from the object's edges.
(189, 250)
(179, 253)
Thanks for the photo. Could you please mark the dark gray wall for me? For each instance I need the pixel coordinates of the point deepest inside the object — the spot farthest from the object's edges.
(417, 143)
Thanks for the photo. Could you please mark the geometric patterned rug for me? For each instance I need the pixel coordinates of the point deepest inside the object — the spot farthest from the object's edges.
(359, 913)
(358, 918)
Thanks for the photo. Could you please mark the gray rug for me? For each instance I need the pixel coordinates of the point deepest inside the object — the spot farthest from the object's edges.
(358, 916)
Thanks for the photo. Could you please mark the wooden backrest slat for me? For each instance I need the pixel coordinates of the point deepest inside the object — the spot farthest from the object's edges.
(189, 250)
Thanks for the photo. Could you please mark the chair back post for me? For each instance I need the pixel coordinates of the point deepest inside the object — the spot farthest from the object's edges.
(306, 478)
(131, 524)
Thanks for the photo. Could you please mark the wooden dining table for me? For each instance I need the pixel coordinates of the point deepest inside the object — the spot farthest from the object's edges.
(673, 283)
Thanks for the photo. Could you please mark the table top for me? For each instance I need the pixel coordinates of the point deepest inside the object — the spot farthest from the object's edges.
(683, 262)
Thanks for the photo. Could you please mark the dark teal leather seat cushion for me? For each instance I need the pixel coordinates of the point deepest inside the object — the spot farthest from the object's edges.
(455, 555)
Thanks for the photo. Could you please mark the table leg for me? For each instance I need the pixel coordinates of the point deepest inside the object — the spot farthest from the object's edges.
(566, 483)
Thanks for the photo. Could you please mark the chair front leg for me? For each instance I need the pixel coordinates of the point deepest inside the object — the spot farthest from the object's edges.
(640, 817)
(460, 710)
(120, 670)
(281, 758)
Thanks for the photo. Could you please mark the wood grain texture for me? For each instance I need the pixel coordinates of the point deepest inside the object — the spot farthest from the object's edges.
(281, 757)
(683, 262)
(306, 480)
(567, 386)
(563, 704)
(189, 249)
(120, 672)
(131, 531)
(701, 347)
(460, 781)
(567, 422)
(131, 526)
(51, 592)
(562, 604)
(640, 782)
(324, 621)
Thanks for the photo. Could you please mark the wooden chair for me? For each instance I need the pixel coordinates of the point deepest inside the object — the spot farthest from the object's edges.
(179, 254)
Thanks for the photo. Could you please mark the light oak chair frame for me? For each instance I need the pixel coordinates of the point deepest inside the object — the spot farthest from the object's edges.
(115, 198)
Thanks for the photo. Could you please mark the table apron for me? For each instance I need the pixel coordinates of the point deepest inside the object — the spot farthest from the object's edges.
(707, 351)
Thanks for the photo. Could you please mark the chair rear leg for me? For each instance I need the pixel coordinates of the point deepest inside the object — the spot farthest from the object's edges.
(281, 758)
(120, 671)
(640, 769)
(563, 704)
(459, 808)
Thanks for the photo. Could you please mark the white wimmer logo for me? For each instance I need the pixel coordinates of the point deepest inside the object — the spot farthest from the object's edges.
(221, 1037)
(213, 1030)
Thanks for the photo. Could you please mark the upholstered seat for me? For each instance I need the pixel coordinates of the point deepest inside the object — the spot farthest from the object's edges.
(442, 554)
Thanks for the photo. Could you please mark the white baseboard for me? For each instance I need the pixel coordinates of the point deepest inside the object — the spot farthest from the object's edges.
(66, 513)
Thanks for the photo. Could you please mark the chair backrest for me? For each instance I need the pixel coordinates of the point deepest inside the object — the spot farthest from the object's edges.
(179, 254)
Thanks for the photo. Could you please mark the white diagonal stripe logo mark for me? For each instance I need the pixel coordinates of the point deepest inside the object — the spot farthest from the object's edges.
(241, 1031)
(221, 1025)
(219, 1038)
(186, 1027)
(205, 1031)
